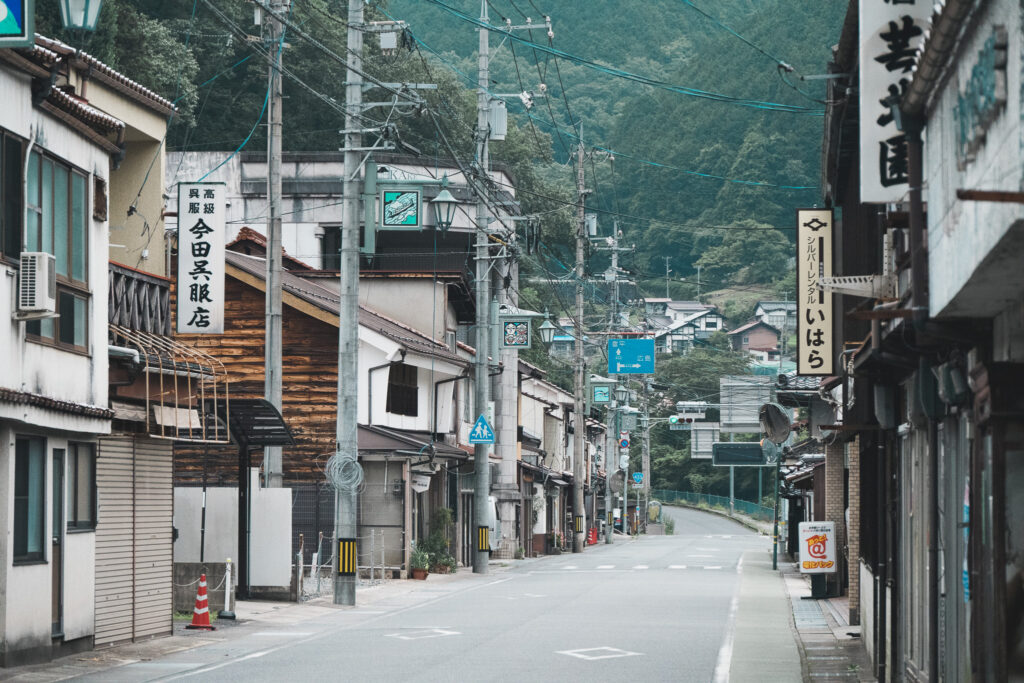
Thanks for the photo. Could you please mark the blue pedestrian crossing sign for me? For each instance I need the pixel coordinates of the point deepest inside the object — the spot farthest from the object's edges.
(481, 432)
(638, 477)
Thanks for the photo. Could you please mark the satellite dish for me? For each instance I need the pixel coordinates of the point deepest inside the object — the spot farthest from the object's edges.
(774, 422)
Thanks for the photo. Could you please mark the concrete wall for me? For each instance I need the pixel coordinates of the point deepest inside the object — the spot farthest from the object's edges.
(185, 588)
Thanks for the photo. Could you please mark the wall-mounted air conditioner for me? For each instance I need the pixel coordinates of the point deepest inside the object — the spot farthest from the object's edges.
(37, 283)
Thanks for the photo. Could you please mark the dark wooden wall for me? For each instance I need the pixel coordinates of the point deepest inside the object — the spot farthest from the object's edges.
(309, 381)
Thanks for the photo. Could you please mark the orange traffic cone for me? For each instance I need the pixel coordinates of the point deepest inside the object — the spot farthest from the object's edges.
(201, 614)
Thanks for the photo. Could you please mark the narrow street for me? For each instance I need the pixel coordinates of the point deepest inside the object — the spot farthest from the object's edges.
(700, 605)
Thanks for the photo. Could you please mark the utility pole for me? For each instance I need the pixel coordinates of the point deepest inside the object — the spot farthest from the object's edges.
(272, 361)
(348, 315)
(483, 295)
(645, 431)
(580, 432)
(667, 272)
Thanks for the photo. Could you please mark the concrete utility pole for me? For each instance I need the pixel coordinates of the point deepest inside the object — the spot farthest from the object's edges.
(668, 271)
(483, 297)
(348, 315)
(272, 462)
(645, 433)
(579, 382)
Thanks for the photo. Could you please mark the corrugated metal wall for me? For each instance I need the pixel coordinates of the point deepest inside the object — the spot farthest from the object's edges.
(134, 551)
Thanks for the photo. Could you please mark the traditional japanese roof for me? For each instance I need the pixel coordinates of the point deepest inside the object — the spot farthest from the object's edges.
(329, 302)
(776, 305)
(60, 405)
(752, 324)
(375, 438)
(247, 236)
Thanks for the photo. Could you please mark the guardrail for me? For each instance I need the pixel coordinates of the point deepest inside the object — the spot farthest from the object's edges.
(744, 507)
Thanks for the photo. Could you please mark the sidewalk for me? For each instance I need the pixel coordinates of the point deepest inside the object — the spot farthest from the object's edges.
(831, 648)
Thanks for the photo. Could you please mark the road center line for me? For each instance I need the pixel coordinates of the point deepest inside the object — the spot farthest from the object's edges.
(724, 662)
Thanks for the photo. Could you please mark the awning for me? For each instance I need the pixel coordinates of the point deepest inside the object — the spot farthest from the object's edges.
(253, 422)
(377, 440)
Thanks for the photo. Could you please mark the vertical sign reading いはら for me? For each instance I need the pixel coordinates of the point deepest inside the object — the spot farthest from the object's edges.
(891, 31)
(200, 285)
(814, 342)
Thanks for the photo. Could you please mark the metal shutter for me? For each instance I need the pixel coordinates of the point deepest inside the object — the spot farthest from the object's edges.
(133, 538)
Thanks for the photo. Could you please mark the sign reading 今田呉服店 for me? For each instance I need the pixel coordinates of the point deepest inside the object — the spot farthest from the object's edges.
(814, 345)
(200, 285)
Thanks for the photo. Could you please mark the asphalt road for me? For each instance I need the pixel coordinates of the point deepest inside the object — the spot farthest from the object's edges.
(687, 607)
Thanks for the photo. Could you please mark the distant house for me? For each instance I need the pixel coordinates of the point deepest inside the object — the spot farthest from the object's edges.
(779, 314)
(757, 337)
(677, 310)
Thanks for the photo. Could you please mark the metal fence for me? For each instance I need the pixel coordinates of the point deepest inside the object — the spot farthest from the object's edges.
(744, 507)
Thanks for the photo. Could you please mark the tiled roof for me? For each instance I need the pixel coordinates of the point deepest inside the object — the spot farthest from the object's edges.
(752, 324)
(329, 301)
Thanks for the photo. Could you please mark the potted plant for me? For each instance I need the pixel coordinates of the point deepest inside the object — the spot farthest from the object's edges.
(555, 543)
(419, 562)
(442, 563)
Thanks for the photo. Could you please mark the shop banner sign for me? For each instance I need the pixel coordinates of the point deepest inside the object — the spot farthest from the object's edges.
(814, 343)
(201, 226)
(891, 31)
(817, 547)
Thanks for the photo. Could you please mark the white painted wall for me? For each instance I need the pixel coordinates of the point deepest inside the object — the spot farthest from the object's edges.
(962, 233)
(79, 584)
(271, 539)
(431, 314)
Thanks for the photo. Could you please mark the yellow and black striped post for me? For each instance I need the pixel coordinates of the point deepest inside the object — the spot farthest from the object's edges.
(579, 524)
(483, 539)
(347, 557)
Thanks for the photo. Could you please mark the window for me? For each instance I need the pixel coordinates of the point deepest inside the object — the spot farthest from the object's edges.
(29, 499)
(402, 390)
(56, 222)
(81, 478)
(11, 196)
(746, 339)
(711, 324)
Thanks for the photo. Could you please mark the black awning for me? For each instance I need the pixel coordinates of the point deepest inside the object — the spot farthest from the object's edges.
(254, 422)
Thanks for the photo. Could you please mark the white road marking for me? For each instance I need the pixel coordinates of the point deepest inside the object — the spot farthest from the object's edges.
(677, 566)
(421, 635)
(640, 566)
(700, 555)
(595, 653)
(606, 566)
(724, 662)
(283, 634)
(712, 566)
(569, 566)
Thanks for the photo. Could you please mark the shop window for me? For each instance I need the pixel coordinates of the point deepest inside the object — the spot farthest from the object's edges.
(403, 393)
(81, 485)
(29, 499)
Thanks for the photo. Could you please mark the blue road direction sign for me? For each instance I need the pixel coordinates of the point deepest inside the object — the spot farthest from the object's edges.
(481, 431)
(638, 477)
(16, 23)
(631, 356)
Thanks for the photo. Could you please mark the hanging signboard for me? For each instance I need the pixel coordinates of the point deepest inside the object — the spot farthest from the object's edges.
(890, 34)
(201, 225)
(400, 209)
(515, 332)
(814, 305)
(817, 547)
(16, 23)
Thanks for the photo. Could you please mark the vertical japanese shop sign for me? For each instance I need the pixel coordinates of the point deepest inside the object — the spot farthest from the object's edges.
(201, 225)
(814, 306)
(891, 31)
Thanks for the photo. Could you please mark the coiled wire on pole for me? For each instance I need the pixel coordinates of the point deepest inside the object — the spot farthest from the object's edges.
(344, 472)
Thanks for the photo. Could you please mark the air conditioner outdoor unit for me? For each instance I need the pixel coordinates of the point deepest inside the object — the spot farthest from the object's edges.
(37, 283)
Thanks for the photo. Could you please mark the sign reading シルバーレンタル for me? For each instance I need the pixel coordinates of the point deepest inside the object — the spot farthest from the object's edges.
(813, 305)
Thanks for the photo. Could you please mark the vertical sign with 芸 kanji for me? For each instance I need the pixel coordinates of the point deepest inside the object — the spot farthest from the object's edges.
(813, 305)
(201, 208)
(890, 33)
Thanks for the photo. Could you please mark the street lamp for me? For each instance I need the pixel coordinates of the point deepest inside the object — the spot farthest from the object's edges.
(80, 14)
(444, 206)
(622, 394)
(547, 329)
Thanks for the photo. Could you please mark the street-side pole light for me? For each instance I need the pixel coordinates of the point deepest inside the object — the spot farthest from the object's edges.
(444, 207)
(80, 15)
(547, 329)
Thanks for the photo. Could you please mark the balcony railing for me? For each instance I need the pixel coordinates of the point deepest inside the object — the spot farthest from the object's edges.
(139, 301)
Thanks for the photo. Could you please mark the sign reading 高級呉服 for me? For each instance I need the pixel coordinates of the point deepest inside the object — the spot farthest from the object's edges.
(201, 224)
(16, 23)
(631, 356)
(817, 547)
(813, 305)
(890, 33)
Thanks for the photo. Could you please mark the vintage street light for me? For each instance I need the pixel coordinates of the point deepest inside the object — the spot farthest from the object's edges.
(547, 329)
(622, 394)
(444, 207)
(80, 15)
